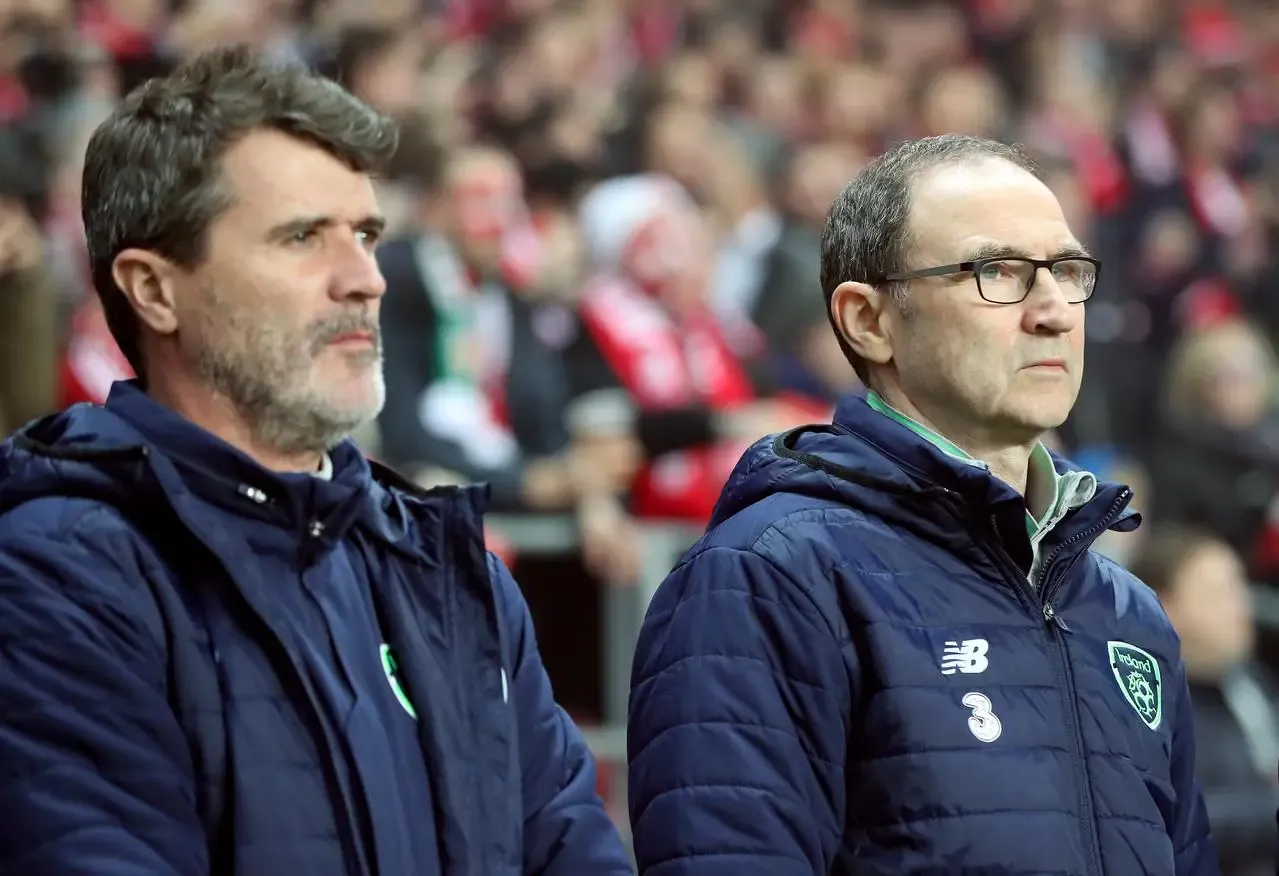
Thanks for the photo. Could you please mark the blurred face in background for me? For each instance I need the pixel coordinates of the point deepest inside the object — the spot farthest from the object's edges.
(563, 258)
(1237, 380)
(391, 82)
(775, 94)
(1071, 92)
(485, 203)
(448, 94)
(859, 103)
(527, 9)
(1006, 16)
(141, 14)
(1132, 21)
(332, 15)
(676, 145)
(1213, 127)
(963, 100)
(817, 175)
(1208, 604)
(47, 12)
(691, 79)
(736, 186)
(824, 31)
(1262, 22)
(559, 52)
(206, 24)
(1172, 78)
(1169, 244)
(933, 35)
(734, 49)
(519, 86)
(1064, 184)
(668, 256)
(576, 133)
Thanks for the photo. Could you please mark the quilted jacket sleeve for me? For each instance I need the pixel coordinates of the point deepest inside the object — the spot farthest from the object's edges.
(739, 721)
(1194, 847)
(95, 776)
(567, 831)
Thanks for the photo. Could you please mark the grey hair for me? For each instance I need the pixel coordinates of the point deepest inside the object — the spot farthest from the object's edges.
(868, 233)
(152, 169)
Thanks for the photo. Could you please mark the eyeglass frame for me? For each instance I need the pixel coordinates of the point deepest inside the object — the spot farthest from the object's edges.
(971, 267)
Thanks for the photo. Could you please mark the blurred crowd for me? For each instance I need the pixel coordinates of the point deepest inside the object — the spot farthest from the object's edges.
(604, 250)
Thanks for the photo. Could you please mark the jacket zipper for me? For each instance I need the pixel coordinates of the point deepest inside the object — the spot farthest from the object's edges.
(1054, 630)
(1050, 583)
(1066, 684)
(1057, 629)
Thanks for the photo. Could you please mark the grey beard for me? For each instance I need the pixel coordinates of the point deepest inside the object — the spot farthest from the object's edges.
(287, 423)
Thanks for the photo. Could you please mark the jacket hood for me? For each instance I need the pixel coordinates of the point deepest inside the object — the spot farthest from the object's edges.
(85, 451)
(135, 454)
(867, 461)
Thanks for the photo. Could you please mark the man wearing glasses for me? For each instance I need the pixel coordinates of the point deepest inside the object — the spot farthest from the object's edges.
(894, 651)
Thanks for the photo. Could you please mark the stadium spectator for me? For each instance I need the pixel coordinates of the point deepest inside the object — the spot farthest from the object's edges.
(1200, 582)
(28, 333)
(1217, 462)
(649, 330)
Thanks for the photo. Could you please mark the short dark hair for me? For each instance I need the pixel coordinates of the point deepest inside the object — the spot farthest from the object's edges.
(868, 234)
(151, 170)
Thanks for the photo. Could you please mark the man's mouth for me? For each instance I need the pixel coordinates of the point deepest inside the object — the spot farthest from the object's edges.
(366, 338)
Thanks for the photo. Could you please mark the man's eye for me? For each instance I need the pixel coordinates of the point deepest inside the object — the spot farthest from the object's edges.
(304, 237)
(368, 237)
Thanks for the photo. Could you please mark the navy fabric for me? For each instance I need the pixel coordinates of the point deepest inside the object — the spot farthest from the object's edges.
(192, 678)
(789, 710)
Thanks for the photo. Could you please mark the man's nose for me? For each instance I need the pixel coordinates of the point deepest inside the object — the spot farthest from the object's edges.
(358, 275)
(1048, 307)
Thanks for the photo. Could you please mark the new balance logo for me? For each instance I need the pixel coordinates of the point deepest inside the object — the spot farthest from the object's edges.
(968, 657)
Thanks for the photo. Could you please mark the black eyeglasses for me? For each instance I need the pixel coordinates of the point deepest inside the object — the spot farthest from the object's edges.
(1009, 280)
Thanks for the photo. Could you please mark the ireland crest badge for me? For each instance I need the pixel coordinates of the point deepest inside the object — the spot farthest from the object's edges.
(1137, 674)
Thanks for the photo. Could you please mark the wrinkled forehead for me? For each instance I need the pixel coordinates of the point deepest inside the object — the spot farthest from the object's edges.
(962, 210)
(270, 175)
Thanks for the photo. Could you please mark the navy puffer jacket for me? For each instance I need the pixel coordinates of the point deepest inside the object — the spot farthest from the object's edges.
(850, 674)
(169, 702)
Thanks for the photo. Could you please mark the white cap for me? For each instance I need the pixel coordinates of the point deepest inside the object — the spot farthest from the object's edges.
(615, 209)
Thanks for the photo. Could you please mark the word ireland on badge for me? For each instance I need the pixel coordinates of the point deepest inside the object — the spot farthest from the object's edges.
(1137, 674)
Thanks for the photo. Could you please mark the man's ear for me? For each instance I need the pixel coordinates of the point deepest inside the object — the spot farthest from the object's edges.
(859, 311)
(148, 281)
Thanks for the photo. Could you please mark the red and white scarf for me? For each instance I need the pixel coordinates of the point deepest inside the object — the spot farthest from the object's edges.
(663, 364)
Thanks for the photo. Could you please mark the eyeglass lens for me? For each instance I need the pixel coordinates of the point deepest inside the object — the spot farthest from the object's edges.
(1008, 281)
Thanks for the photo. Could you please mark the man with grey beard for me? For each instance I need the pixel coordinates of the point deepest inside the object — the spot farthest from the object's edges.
(228, 642)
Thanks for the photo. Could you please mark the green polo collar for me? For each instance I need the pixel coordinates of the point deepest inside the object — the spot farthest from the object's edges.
(1049, 495)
